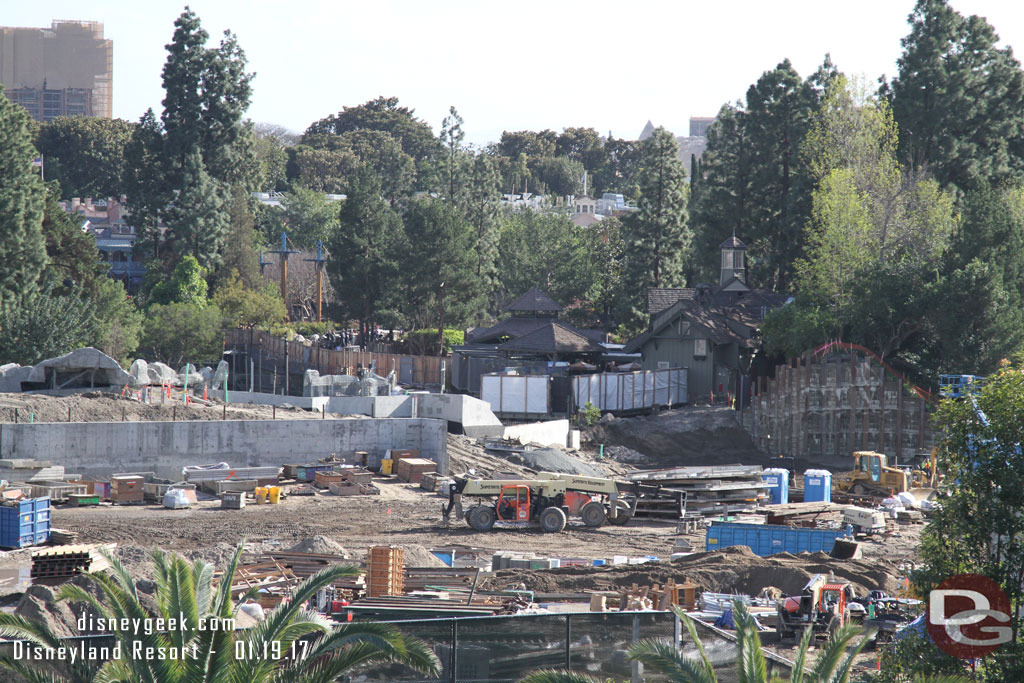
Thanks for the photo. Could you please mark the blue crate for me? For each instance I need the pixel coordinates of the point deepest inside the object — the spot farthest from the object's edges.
(25, 523)
(768, 539)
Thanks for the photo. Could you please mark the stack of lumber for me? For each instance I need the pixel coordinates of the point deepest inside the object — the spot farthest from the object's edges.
(347, 488)
(273, 581)
(304, 565)
(23, 469)
(709, 490)
(433, 578)
(63, 536)
(54, 566)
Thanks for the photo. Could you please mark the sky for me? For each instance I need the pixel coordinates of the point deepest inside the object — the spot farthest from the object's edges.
(527, 65)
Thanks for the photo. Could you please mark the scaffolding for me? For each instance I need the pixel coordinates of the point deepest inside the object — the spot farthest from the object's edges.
(826, 407)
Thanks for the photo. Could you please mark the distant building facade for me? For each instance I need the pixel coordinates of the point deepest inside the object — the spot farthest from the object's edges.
(699, 126)
(692, 145)
(64, 70)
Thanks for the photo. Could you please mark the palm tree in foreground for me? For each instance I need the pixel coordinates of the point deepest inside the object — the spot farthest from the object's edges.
(834, 664)
(291, 645)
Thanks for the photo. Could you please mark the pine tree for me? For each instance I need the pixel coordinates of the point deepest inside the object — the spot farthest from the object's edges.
(363, 266)
(453, 161)
(958, 99)
(22, 202)
(481, 205)
(657, 236)
(187, 162)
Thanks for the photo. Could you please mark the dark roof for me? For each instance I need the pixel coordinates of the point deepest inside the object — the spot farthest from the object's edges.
(732, 243)
(554, 337)
(534, 300)
(660, 298)
(509, 327)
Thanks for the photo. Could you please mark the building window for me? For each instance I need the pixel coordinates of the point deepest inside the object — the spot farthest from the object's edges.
(737, 259)
(727, 258)
(700, 347)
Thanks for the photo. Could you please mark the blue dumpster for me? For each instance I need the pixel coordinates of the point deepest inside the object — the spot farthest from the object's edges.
(817, 486)
(25, 523)
(768, 539)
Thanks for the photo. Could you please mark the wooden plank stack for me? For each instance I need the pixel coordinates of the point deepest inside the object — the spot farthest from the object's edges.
(56, 565)
(413, 469)
(429, 578)
(385, 571)
(56, 491)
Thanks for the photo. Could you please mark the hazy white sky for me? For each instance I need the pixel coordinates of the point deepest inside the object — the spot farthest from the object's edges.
(508, 66)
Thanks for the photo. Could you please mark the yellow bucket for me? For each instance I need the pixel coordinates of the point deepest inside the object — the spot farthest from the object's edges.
(385, 466)
(274, 494)
(261, 495)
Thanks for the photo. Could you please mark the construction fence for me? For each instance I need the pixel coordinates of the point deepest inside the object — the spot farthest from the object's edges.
(506, 648)
(824, 407)
(625, 391)
(298, 356)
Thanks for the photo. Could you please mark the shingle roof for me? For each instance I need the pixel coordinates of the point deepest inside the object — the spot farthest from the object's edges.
(553, 337)
(660, 298)
(534, 300)
(732, 243)
(509, 327)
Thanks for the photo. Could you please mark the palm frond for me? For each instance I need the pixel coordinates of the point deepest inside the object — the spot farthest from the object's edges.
(668, 660)
(30, 673)
(800, 662)
(828, 659)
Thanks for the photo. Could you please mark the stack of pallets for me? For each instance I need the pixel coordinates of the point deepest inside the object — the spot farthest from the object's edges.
(385, 569)
(56, 565)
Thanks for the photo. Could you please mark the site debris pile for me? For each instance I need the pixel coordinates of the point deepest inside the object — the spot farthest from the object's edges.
(709, 490)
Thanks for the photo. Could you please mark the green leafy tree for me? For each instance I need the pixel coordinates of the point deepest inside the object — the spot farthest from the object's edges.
(365, 249)
(322, 170)
(46, 322)
(187, 284)
(545, 250)
(187, 597)
(118, 324)
(582, 145)
(240, 255)
(619, 168)
(270, 145)
(439, 266)
(22, 202)
(182, 332)
(243, 306)
(657, 238)
(383, 114)
(309, 217)
(958, 98)
(85, 154)
(557, 175)
(979, 528)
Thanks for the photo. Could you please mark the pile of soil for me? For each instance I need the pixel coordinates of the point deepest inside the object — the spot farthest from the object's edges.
(731, 570)
(693, 435)
(320, 545)
(557, 460)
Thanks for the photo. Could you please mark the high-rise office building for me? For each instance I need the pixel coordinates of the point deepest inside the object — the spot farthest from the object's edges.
(64, 70)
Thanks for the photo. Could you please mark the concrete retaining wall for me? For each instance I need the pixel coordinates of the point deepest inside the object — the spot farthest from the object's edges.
(100, 448)
(551, 433)
(264, 399)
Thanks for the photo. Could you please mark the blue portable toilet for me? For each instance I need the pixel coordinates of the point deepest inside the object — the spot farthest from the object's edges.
(817, 486)
(778, 481)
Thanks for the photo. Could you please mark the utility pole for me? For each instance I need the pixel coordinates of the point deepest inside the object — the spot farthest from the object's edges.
(284, 251)
(319, 261)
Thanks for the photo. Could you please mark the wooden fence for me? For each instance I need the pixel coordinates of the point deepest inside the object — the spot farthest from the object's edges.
(828, 407)
(413, 370)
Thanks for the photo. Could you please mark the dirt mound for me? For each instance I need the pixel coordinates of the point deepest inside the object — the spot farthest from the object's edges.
(320, 545)
(557, 460)
(696, 435)
(730, 570)
(420, 556)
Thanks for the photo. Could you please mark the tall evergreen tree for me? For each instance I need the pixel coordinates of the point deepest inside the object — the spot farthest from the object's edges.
(958, 98)
(363, 266)
(481, 205)
(22, 201)
(197, 150)
(657, 238)
(440, 266)
(453, 160)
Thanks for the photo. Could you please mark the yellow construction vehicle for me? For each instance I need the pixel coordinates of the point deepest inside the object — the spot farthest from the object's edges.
(547, 501)
(822, 606)
(872, 476)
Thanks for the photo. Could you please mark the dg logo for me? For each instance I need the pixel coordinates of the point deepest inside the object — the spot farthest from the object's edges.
(969, 616)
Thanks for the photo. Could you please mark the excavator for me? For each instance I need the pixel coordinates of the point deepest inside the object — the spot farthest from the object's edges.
(548, 501)
(872, 476)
